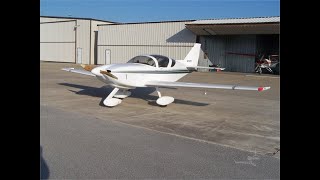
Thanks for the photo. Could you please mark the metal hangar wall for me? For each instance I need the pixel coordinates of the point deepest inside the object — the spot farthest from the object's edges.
(66, 39)
(231, 43)
(117, 43)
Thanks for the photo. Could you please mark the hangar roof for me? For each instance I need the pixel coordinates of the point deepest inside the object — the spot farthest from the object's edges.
(61, 17)
(275, 19)
(257, 25)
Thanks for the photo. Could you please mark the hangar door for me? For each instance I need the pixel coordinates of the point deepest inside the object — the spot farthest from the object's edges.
(234, 52)
(57, 41)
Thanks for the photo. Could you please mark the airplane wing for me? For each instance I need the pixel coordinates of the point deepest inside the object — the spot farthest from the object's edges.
(204, 85)
(204, 67)
(79, 71)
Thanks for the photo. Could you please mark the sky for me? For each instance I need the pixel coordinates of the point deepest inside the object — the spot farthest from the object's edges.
(159, 10)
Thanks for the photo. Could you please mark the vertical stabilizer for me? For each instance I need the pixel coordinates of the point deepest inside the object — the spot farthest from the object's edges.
(191, 60)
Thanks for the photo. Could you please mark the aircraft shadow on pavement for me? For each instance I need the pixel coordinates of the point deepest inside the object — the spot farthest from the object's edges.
(44, 170)
(141, 93)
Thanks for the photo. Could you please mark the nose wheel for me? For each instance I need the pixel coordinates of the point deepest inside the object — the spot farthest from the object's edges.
(110, 101)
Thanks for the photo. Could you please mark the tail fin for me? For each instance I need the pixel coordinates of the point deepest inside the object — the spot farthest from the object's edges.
(191, 60)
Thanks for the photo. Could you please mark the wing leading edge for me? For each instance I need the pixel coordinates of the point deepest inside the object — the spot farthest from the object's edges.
(204, 85)
(203, 67)
(79, 71)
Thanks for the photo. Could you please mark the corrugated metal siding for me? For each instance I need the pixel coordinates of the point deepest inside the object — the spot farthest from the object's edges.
(121, 54)
(57, 42)
(125, 41)
(83, 39)
(242, 44)
(171, 33)
(215, 48)
(94, 28)
(218, 49)
(64, 32)
(57, 32)
(57, 52)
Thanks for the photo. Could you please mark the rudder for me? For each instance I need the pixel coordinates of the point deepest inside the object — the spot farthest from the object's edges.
(192, 58)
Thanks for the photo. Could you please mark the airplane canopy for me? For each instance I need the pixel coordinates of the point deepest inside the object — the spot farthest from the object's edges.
(153, 60)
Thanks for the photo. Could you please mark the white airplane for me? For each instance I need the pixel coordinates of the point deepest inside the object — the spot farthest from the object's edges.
(151, 71)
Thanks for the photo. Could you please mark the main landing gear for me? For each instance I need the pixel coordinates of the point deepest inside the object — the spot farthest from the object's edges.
(116, 96)
(163, 100)
(121, 94)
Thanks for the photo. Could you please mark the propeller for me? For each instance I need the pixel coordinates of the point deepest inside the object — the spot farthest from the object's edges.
(108, 73)
(90, 67)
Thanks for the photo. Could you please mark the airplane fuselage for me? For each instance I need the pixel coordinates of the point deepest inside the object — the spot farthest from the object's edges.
(132, 75)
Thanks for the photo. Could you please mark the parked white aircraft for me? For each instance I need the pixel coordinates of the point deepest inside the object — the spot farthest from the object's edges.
(151, 71)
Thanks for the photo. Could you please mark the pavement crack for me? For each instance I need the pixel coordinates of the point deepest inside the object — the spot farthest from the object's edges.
(273, 153)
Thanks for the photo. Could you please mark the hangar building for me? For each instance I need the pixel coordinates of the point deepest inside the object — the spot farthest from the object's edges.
(231, 43)
(64, 39)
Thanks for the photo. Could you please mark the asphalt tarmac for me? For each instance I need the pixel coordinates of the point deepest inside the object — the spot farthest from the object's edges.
(77, 145)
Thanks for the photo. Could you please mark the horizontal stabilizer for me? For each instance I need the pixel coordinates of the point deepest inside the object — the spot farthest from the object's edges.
(204, 85)
(79, 71)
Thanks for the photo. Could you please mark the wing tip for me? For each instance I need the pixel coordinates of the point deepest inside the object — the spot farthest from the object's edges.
(263, 88)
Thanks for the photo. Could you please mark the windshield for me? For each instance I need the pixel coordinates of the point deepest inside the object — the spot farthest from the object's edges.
(143, 60)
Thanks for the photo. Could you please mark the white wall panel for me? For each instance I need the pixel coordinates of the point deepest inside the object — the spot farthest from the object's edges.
(58, 52)
(57, 41)
(168, 33)
(57, 32)
(83, 39)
